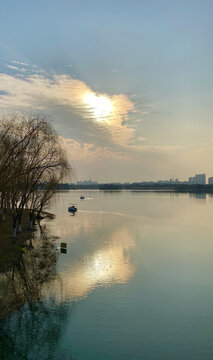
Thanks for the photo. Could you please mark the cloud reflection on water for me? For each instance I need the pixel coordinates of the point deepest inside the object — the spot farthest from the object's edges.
(103, 262)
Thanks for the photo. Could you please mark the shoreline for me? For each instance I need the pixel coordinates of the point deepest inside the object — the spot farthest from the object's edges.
(176, 188)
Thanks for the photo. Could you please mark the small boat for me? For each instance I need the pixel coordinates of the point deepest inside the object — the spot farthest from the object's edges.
(82, 197)
(72, 209)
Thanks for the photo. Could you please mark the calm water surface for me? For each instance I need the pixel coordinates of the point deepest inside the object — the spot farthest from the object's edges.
(136, 281)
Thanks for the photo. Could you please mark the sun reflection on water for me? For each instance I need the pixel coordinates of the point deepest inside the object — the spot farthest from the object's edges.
(109, 264)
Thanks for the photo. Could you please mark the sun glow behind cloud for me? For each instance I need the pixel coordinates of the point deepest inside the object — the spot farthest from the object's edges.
(108, 113)
(95, 125)
(99, 106)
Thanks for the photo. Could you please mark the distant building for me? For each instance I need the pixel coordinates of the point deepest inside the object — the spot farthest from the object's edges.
(170, 181)
(87, 182)
(210, 180)
(198, 179)
(191, 180)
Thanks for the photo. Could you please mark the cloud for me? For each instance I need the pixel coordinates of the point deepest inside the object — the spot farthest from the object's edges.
(158, 149)
(141, 138)
(107, 264)
(15, 68)
(79, 151)
(37, 91)
(12, 67)
(19, 63)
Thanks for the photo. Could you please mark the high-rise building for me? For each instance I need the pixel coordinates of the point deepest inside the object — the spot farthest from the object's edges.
(200, 179)
(210, 180)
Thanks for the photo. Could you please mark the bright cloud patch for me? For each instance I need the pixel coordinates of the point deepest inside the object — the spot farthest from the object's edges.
(39, 91)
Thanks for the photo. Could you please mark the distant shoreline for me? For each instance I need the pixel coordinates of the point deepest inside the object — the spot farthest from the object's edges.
(177, 188)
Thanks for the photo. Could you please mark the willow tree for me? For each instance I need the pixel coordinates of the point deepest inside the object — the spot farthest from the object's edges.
(32, 156)
(6, 160)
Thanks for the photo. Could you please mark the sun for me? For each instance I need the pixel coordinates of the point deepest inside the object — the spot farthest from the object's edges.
(99, 106)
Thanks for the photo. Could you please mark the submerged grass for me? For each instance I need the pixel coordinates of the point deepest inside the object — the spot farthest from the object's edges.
(10, 248)
(24, 265)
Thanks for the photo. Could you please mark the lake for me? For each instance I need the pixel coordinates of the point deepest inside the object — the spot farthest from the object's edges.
(136, 281)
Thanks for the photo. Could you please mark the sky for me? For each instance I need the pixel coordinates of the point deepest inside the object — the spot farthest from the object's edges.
(128, 84)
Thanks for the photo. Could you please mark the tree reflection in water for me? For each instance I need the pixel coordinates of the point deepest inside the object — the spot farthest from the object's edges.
(34, 329)
(22, 280)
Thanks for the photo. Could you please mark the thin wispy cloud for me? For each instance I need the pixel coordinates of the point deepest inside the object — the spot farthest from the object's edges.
(20, 63)
(161, 149)
(79, 151)
(12, 67)
(16, 68)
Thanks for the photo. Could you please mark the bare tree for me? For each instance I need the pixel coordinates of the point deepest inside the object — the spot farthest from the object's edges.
(32, 163)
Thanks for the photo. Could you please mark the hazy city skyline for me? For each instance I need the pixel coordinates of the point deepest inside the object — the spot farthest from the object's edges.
(128, 84)
(201, 179)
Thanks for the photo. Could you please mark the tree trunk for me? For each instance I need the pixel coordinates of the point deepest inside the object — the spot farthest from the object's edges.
(2, 214)
(14, 233)
(2, 209)
(19, 224)
(14, 226)
(34, 221)
(40, 228)
(30, 227)
(31, 243)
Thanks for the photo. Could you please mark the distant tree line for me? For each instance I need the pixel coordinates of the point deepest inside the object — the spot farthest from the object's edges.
(189, 188)
(32, 164)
